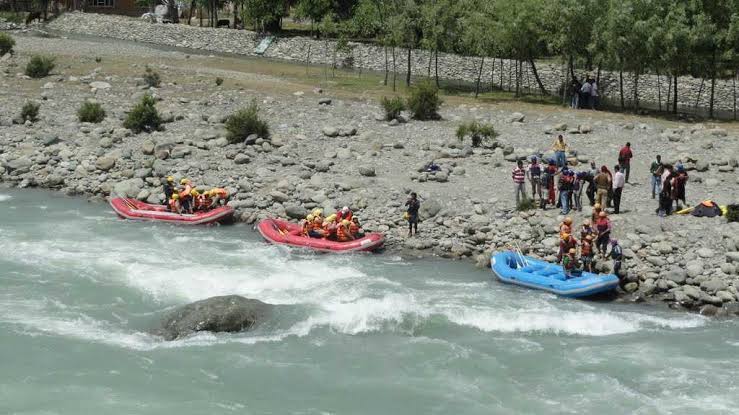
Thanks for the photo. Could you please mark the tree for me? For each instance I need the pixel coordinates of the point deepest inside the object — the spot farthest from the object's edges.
(405, 29)
(265, 15)
(440, 29)
(314, 10)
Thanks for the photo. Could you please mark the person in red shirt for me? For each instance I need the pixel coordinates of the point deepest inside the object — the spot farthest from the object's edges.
(624, 160)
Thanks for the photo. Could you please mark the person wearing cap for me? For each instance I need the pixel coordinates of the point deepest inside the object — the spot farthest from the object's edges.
(586, 229)
(603, 228)
(169, 189)
(344, 213)
(355, 228)
(565, 227)
(586, 252)
(174, 203)
(412, 208)
(307, 225)
(185, 197)
(569, 262)
(619, 181)
(534, 173)
(343, 234)
(566, 243)
(616, 255)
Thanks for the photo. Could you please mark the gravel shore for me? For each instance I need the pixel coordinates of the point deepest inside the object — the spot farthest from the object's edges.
(338, 153)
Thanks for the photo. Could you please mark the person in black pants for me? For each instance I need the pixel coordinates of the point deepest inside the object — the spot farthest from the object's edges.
(168, 189)
(412, 205)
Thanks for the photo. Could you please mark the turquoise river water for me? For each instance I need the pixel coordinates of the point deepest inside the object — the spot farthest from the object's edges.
(372, 334)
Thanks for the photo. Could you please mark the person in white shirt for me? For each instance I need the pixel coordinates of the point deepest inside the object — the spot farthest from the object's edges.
(593, 94)
(585, 94)
(619, 180)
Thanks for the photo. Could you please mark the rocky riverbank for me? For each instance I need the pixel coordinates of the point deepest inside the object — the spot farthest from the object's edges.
(331, 151)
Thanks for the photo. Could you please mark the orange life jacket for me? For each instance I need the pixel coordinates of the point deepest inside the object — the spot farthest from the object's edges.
(342, 233)
(586, 248)
(174, 205)
(353, 229)
(186, 192)
(220, 192)
(307, 227)
(564, 228)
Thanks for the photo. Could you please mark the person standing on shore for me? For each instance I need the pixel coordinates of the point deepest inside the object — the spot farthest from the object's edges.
(619, 180)
(602, 184)
(565, 188)
(624, 160)
(617, 255)
(412, 207)
(603, 227)
(550, 174)
(560, 151)
(534, 173)
(681, 181)
(585, 91)
(656, 170)
(519, 182)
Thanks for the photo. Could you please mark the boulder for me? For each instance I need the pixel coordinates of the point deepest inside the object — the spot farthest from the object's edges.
(713, 285)
(677, 275)
(242, 159)
(105, 163)
(99, 85)
(367, 171)
(585, 129)
(128, 188)
(231, 313)
(295, 212)
(429, 209)
(147, 148)
(278, 196)
(330, 132)
(516, 117)
(705, 252)
(708, 310)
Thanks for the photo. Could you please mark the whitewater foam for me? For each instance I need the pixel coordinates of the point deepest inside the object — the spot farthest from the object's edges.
(4, 198)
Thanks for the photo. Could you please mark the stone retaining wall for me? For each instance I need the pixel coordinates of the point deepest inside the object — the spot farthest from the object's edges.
(652, 90)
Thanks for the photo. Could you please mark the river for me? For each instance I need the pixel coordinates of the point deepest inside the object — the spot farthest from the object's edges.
(368, 334)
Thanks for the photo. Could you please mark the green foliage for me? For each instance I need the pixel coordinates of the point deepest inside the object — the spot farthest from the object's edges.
(526, 204)
(91, 112)
(219, 81)
(393, 107)
(264, 15)
(732, 213)
(424, 101)
(246, 122)
(312, 9)
(29, 112)
(477, 132)
(98, 59)
(151, 78)
(144, 117)
(6, 43)
(40, 66)
(12, 17)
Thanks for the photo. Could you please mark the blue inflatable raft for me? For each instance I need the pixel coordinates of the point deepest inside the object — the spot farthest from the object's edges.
(513, 268)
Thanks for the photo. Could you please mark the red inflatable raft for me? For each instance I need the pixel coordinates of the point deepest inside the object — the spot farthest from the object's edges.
(282, 232)
(137, 210)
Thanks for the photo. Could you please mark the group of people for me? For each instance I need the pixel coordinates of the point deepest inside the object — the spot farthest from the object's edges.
(584, 94)
(186, 198)
(603, 186)
(595, 235)
(341, 226)
(669, 182)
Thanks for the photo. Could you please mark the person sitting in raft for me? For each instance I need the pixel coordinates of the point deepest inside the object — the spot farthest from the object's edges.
(355, 229)
(169, 188)
(307, 225)
(565, 244)
(185, 197)
(218, 197)
(343, 234)
(329, 228)
(174, 204)
(316, 228)
(344, 213)
(586, 253)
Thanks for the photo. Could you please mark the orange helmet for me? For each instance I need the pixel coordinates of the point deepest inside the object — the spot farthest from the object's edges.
(602, 214)
(568, 220)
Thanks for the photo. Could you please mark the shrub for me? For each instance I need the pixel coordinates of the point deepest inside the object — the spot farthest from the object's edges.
(424, 101)
(219, 81)
(246, 122)
(393, 107)
(732, 213)
(152, 78)
(39, 66)
(98, 59)
(526, 204)
(144, 116)
(29, 112)
(478, 132)
(12, 17)
(6, 43)
(91, 112)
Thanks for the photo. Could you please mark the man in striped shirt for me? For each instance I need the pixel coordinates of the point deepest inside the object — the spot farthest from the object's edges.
(519, 181)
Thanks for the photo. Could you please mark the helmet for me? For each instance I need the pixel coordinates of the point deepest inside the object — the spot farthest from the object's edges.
(572, 250)
(317, 218)
(184, 181)
(533, 159)
(586, 222)
(309, 218)
(175, 196)
(345, 209)
(565, 236)
(345, 222)
(317, 212)
(596, 206)
(194, 192)
(602, 214)
(568, 220)
(331, 218)
(551, 161)
(170, 179)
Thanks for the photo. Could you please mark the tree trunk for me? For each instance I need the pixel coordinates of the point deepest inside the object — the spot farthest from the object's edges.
(492, 75)
(621, 87)
(431, 58)
(659, 93)
(734, 81)
(518, 78)
(436, 67)
(408, 74)
(572, 68)
(479, 77)
(501, 74)
(674, 94)
(669, 92)
(395, 70)
(713, 84)
(189, 13)
(536, 76)
(200, 15)
(386, 67)
(700, 92)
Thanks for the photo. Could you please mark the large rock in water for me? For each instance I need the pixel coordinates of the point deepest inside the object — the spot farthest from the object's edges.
(229, 313)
